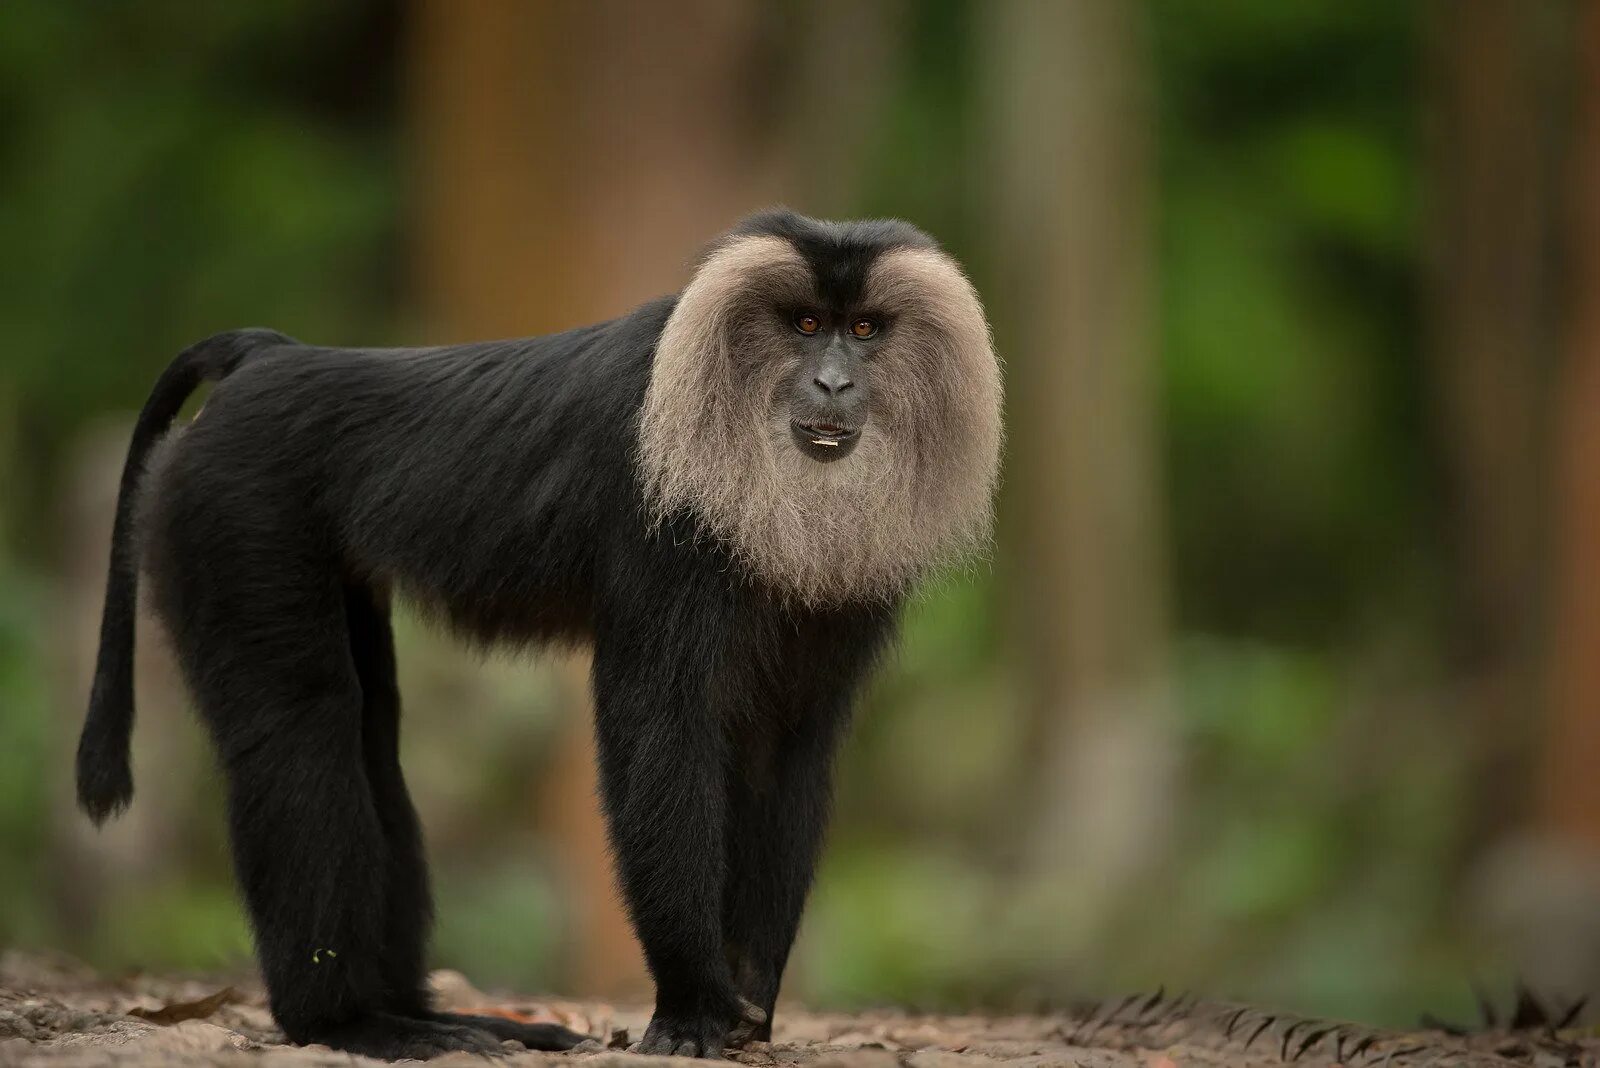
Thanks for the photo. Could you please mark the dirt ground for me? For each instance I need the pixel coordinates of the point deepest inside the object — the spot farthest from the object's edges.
(56, 1013)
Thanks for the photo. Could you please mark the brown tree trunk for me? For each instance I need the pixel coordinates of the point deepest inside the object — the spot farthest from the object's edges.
(571, 157)
(1488, 306)
(1572, 763)
(1072, 198)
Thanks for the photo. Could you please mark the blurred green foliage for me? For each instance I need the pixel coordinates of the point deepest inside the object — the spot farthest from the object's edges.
(167, 172)
(1290, 147)
(158, 185)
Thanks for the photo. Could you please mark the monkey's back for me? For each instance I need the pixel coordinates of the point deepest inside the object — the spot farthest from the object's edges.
(483, 481)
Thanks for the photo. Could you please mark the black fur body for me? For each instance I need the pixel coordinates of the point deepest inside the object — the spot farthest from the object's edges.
(494, 485)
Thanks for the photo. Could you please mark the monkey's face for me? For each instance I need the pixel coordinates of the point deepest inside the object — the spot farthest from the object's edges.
(825, 399)
(830, 394)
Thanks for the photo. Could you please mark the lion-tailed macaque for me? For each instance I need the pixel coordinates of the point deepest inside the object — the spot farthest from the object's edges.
(727, 493)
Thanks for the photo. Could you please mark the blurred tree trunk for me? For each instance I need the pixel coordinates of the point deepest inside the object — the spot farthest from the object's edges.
(1571, 785)
(1488, 305)
(1072, 201)
(571, 157)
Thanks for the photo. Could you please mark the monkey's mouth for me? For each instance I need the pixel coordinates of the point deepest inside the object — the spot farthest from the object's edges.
(824, 441)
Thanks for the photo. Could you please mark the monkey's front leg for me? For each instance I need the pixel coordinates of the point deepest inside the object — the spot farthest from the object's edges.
(778, 814)
(661, 758)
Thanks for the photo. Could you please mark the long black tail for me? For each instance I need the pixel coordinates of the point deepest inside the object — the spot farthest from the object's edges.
(105, 781)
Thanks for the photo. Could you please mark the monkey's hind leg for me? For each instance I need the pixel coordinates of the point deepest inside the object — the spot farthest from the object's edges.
(273, 673)
(408, 911)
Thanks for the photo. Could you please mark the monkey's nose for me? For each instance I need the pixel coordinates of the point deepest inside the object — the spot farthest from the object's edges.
(833, 381)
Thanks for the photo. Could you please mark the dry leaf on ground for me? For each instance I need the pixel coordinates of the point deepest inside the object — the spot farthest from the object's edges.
(179, 1011)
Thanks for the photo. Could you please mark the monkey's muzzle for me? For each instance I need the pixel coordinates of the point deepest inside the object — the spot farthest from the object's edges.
(824, 441)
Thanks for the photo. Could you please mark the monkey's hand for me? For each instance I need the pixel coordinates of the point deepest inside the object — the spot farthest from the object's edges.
(700, 1029)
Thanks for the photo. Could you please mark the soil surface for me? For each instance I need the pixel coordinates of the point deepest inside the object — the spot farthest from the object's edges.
(56, 1013)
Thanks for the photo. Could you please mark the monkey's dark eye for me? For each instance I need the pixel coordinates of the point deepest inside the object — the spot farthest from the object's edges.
(864, 328)
(807, 323)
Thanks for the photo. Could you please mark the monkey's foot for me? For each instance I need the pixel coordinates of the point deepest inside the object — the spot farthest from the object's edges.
(685, 1036)
(543, 1036)
(702, 1033)
(392, 1038)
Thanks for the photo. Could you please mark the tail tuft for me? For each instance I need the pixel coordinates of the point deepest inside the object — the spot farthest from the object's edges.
(105, 778)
